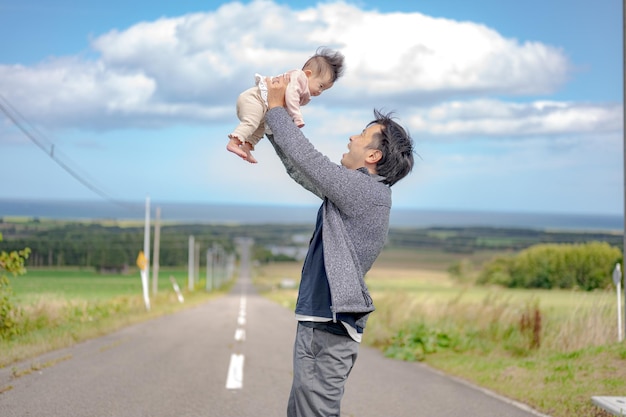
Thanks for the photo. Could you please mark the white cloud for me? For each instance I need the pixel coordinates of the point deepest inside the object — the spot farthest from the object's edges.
(440, 56)
(190, 68)
(497, 118)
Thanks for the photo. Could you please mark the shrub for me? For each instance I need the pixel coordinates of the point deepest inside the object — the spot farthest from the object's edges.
(416, 341)
(586, 266)
(462, 270)
(10, 262)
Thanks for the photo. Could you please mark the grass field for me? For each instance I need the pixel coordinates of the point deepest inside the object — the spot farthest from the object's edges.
(418, 302)
(87, 284)
(67, 305)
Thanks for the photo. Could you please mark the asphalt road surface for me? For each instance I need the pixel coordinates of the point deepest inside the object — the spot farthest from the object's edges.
(228, 357)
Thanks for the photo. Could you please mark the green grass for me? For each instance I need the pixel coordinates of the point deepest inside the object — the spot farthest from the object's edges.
(475, 332)
(422, 313)
(558, 384)
(68, 305)
(86, 284)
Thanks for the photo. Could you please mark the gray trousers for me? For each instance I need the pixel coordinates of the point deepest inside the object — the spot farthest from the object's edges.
(322, 362)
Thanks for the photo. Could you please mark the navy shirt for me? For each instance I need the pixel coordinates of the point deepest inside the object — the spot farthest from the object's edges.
(314, 292)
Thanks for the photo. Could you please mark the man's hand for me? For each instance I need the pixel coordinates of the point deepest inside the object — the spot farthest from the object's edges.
(276, 87)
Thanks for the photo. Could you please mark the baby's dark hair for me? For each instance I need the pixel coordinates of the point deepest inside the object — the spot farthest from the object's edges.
(326, 62)
(396, 145)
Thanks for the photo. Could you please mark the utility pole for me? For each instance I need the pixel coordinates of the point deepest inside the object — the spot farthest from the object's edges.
(146, 235)
(155, 253)
(145, 268)
(209, 269)
(191, 263)
(197, 262)
(624, 138)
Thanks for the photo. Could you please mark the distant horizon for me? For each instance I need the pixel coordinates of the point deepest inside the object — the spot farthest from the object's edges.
(154, 203)
(198, 212)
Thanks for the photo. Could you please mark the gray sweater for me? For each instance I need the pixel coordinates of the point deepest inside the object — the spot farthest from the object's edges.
(355, 210)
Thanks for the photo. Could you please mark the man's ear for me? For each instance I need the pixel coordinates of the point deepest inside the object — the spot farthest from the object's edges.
(373, 156)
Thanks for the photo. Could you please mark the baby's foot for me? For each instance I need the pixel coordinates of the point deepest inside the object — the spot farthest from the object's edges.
(236, 146)
(248, 148)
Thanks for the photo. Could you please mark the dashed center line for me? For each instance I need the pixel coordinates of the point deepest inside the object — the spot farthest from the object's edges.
(240, 335)
(234, 380)
(235, 372)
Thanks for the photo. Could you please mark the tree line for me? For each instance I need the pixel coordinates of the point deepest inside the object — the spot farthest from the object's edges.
(102, 244)
(473, 239)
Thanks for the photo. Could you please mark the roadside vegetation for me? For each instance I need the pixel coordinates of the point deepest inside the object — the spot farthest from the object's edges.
(10, 263)
(55, 308)
(549, 349)
(528, 314)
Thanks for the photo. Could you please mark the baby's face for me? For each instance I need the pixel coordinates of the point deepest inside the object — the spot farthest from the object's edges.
(318, 84)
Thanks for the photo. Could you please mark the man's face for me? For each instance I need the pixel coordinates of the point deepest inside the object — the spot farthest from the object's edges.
(360, 151)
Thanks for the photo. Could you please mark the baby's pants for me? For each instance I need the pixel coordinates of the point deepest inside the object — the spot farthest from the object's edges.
(251, 111)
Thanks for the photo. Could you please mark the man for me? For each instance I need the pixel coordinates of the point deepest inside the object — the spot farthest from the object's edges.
(351, 229)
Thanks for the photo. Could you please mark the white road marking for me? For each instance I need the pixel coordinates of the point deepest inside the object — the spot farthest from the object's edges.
(240, 335)
(235, 372)
(234, 380)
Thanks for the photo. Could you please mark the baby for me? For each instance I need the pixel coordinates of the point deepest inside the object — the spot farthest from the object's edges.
(318, 74)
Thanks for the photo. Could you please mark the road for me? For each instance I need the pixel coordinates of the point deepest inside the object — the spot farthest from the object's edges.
(228, 357)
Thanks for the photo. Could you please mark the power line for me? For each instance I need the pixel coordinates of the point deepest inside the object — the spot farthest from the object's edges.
(20, 122)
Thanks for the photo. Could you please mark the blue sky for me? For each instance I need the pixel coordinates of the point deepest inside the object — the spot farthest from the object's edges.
(513, 106)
